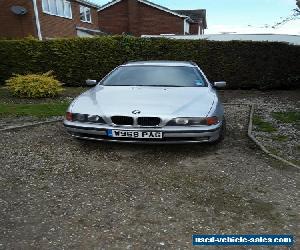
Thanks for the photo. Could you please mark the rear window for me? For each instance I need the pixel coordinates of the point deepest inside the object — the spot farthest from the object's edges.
(160, 76)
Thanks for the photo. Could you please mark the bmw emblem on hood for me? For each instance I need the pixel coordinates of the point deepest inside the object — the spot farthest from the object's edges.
(136, 112)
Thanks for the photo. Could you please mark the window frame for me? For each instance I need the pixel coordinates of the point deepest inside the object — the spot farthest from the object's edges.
(85, 8)
(65, 3)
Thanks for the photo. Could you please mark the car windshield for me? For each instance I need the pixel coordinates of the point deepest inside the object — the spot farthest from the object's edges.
(157, 76)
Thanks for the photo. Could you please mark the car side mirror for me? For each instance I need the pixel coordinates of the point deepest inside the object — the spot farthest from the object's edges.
(220, 85)
(90, 82)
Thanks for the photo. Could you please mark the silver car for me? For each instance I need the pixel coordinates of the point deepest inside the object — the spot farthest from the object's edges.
(149, 102)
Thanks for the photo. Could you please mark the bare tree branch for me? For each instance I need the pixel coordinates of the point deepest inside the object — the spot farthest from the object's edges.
(295, 15)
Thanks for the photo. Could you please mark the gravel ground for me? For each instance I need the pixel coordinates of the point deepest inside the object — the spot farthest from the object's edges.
(287, 145)
(285, 141)
(60, 193)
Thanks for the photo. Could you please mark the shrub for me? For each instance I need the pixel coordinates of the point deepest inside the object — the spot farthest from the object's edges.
(34, 85)
(243, 64)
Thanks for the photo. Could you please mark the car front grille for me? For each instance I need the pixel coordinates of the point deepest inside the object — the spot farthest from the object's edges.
(122, 120)
(140, 121)
(148, 121)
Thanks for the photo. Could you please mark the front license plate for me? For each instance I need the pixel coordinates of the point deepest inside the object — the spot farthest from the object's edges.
(134, 134)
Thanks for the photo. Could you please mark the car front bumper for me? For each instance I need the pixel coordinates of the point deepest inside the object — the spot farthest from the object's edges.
(171, 135)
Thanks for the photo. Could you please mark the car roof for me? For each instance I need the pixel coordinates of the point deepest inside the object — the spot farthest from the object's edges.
(161, 63)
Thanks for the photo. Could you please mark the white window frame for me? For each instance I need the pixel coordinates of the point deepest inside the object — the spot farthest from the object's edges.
(85, 9)
(65, 3)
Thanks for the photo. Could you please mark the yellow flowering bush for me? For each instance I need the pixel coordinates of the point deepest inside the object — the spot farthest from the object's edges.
(34, 85)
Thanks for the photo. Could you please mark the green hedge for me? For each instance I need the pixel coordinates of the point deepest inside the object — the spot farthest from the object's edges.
(245, 65)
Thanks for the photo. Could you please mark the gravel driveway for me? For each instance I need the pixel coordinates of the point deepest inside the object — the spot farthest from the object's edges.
(58, 193)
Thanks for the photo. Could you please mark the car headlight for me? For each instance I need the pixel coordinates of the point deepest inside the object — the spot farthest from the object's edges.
(79, 117)
(94, 118)
(76, 117)
(182, 121)
(193, 121)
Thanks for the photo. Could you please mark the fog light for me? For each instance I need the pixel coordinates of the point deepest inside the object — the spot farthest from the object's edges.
(182, 121)
(69, 116)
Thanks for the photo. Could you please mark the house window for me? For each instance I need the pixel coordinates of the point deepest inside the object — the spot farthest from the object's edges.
(67, 9)
(60, 8)
(85, 14)
(45, 4)
(52, 7)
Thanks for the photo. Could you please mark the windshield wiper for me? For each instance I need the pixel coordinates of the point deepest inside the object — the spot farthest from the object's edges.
(162, 85)
(152, 85)
(147, 85)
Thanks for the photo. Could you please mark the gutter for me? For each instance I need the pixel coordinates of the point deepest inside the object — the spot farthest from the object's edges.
(88, 3)
(37, 20)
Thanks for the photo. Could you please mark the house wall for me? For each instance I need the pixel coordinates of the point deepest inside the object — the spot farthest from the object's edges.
(16, 26)
(194, 28)
(135, 18)
(127, 16)
(54, 26)
(154, 22)
(114, 19)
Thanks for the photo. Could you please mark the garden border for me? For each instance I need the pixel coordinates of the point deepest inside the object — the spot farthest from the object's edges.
(32, 124)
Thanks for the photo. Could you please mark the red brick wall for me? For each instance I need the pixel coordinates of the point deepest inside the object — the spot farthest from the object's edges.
(143, 20)
(54, 26)
(16, 26)
(154, 22)
(114, 19)
(133, 17)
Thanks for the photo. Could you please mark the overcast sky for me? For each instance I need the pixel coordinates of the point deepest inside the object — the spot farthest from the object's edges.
(236, 15)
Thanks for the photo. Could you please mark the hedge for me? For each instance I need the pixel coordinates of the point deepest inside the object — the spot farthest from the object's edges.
(243, 64)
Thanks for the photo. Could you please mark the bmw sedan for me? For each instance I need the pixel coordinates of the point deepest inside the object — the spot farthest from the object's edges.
(149, 102)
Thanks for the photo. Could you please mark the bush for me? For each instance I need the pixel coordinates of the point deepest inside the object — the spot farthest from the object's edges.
(244, 65)
(34, 85)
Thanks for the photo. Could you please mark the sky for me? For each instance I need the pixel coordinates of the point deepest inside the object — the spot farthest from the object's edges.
(241, 16)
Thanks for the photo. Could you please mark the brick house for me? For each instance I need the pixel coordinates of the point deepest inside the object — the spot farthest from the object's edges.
(142, 17)
(46, 19)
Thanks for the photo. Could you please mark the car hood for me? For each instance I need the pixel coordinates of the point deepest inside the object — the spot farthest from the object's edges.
(150, 101)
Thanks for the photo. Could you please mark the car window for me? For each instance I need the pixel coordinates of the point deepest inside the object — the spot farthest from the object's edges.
(172, 76)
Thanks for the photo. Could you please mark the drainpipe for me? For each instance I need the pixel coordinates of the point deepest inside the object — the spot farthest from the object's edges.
(185, 26)
(37, 20)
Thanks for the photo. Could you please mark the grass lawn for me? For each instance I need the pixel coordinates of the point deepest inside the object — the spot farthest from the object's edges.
(287, 117)
(37, 110)
(41, 107)
(263, 125)
(280, 138)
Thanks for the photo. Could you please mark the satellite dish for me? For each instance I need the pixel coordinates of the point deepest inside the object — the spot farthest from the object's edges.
(18, 10)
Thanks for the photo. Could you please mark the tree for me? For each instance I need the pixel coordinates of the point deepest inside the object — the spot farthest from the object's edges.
(295, 15)
(297, 10)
